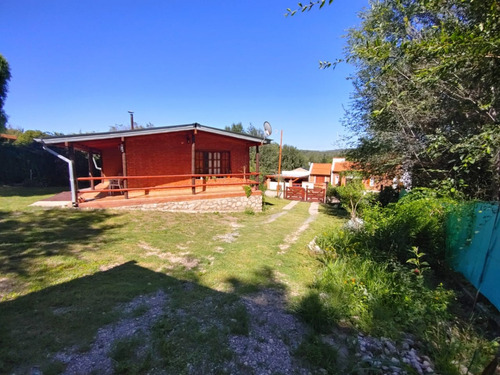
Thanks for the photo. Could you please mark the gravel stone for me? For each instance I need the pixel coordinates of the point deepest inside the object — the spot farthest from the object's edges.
(96, 360)
(269, 323)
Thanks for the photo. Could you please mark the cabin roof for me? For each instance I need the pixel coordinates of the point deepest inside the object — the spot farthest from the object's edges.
(147, 131)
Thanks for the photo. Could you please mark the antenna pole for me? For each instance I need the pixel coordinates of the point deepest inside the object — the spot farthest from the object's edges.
(279, 163)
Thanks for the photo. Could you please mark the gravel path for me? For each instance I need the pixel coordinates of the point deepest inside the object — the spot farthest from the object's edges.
(96, 360)
(290, 240)
(273, 336)
(277, 215)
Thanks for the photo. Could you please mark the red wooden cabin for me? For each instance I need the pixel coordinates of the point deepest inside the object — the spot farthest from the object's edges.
(152, 160)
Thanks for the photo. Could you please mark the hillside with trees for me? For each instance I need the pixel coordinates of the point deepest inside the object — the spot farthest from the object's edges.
(291, 157)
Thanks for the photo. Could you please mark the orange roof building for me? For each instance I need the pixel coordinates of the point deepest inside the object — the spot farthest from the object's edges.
(320, 173)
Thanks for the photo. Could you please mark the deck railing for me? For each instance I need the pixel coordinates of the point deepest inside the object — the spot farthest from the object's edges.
(181, 182)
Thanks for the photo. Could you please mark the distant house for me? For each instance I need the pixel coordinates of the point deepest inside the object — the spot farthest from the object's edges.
(339, 167)
(160, 159)
(288, 178)
(320, 173)
(340, 175)
(7, 137)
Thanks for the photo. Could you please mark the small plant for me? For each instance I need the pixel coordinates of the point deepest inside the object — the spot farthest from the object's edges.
(318, 354)
(353, 196)
(317, 312)
(248, 190)
(249, 211)
(420, 266)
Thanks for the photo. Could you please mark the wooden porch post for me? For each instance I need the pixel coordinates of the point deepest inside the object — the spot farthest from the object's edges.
(257, 165)
(193, 162)
(91, 155)
(124, 165)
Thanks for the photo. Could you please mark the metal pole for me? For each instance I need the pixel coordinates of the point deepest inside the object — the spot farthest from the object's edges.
(71, 173)
(131, 120)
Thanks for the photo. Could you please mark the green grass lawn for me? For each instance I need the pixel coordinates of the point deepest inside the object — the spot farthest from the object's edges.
(65, 273)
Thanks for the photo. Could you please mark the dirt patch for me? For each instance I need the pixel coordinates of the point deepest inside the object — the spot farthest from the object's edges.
(228, 237)
(175, 259)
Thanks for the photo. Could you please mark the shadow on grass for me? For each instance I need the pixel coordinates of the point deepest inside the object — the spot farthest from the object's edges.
(263, 278)
(27, 237)
(22, 191)
(190, 334)
(333, 210)
(68, 314)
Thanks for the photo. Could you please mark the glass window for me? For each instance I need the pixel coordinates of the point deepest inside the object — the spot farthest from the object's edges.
(212, 162)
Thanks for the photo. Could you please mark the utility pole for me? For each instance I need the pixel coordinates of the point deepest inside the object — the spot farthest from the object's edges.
(131, 120)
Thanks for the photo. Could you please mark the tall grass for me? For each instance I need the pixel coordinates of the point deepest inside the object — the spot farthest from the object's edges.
(378, 280)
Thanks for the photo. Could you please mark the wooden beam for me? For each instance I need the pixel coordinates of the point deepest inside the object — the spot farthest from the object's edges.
(257, 164)
(193, 161)
(85, 148)
(124, 165)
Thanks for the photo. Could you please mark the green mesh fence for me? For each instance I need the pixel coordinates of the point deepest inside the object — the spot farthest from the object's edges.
(473, 246)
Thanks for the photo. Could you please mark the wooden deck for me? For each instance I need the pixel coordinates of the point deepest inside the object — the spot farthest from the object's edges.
(109, 199)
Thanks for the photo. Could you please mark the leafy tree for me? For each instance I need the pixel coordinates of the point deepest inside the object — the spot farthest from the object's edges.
(235, 128)
(427, 91)
(291, 157)
(308, 6)
(25, 162)
(4, 79)
(268, 159)
(120, 127)
(312, 156)
(353, 195)
(252, 130)
(26, 138)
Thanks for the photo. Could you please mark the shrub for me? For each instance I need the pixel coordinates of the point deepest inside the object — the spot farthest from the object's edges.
(416, 220)
(353, 197)
(369, 279)
(318, 353)
(248, 190)
(388, 195)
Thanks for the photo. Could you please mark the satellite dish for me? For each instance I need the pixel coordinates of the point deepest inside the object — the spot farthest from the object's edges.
(268, 130)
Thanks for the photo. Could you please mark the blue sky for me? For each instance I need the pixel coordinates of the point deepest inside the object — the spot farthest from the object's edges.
(79, 66)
